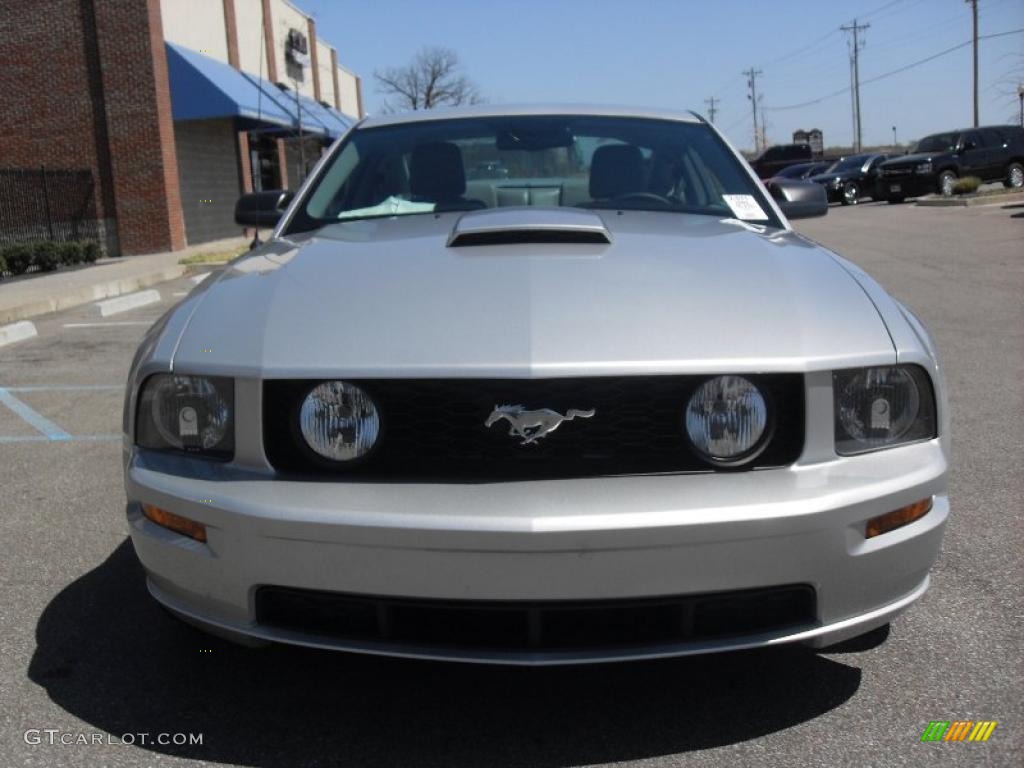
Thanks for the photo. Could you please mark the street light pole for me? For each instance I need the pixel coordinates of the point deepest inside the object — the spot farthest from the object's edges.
(1020, 98)
(894, 142)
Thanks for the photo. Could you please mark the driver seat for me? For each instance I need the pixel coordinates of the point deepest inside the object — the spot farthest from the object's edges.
(616, 170)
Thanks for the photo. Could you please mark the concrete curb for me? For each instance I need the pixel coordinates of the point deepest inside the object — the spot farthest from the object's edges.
(127, 302)
(964, 202)
(19, 331)
(87, 294)
(206, 266)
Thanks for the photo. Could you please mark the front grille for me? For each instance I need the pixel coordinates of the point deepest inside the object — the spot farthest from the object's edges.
(535, 626)
(433, 430)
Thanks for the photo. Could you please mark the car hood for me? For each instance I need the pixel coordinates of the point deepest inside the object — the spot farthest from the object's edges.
(671, 293)
(917, 157)
(825, 178)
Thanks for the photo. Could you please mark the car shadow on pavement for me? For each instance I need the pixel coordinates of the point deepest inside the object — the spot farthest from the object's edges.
(109, 656)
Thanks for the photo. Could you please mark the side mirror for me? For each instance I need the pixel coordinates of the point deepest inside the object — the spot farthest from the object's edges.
(968, 145)
(799, 199)
(262, 209)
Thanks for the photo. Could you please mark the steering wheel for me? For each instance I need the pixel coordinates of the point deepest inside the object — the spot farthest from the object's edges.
(644, 196)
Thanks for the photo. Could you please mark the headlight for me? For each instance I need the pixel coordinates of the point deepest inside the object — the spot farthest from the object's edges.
(187, 413)
(836, 182)
(726, 419)
(882, 407)
(339, 421)
(923, 168)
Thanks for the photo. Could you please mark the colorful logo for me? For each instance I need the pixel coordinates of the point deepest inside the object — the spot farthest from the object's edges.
(958, 730)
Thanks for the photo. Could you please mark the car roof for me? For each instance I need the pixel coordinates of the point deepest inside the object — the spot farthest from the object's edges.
(507, 110)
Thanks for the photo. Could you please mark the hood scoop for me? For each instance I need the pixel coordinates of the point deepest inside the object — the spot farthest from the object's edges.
(514, 226)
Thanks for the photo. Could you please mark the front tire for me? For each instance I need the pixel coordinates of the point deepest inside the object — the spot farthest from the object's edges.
(851, 194)
(1014, 178)
(946, 181)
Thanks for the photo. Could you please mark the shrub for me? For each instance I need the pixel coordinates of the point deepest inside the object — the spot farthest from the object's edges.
(18, 258)
(46, 256)
(966, 185)
(90, 251)
(69, 253)
(3, 263)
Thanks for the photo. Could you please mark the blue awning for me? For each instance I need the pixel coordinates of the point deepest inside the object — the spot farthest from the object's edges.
(334, 120)
(285, 100)
(204, 88)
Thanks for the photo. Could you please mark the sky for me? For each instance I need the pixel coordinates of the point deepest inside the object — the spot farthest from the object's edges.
(677, 53)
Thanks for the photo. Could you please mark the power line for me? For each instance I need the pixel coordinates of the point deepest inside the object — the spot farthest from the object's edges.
(827, 36)
(892, 72)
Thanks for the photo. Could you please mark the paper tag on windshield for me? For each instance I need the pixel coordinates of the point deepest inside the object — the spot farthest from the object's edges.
(745, 207)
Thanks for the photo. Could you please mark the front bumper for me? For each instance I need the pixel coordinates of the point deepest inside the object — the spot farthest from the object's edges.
(592, 539)
(910, 185)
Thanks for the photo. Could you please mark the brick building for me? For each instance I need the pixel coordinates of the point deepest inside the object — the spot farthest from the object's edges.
(175, 106)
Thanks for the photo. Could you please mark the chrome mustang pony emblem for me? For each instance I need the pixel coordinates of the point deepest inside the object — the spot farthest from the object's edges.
(533, 425)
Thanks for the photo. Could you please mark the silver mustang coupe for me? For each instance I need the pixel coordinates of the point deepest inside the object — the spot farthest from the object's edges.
(600, 404)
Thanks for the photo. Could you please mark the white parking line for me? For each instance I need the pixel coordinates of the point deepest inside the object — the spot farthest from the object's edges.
(129, 301)
(16, 332)
(9, 439)
(64, 387)
(111, 323)
(197, 279)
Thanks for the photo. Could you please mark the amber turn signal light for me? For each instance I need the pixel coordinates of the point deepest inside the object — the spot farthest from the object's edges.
(174, 522)
(890, 521)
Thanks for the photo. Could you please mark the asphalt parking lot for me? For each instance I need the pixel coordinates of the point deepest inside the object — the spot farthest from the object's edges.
(84, 650)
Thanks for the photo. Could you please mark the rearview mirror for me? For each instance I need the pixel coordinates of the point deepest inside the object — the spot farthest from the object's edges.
(262, 209)
(799, 199)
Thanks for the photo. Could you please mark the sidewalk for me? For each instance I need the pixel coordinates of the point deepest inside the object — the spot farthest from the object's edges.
(25, 297)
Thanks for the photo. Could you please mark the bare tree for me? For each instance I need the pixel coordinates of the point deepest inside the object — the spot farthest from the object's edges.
(433, 79)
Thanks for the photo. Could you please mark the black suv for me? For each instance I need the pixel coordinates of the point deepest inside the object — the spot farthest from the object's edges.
(778, 157)
(991, 153)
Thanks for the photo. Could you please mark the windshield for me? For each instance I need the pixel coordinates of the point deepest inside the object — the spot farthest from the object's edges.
(849, 163)
(545, 161)
(940, 142)
(794, 171)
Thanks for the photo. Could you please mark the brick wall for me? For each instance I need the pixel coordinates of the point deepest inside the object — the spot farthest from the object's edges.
(83, 84)
(48, 68)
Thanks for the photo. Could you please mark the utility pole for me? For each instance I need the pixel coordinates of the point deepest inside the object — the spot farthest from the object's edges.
(1020, 98)
(974, 15)
(711, 101)
(856, 28)
(895, 143)
(853, 105)
(752, 84)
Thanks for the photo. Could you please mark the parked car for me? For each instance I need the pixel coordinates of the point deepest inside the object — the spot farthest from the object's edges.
(850, 179)
(802, 170)
(991, 153)
(637, 415)
(780, 156)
